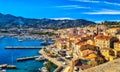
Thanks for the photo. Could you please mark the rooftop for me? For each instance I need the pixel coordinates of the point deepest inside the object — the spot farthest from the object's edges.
(103, 37)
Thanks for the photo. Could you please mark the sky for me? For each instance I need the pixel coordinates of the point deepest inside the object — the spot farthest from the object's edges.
(93, 10)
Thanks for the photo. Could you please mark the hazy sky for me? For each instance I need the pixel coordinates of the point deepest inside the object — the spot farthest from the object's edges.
(95, 10)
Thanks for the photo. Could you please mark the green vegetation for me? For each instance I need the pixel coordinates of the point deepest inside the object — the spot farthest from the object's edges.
(50, 66)
(46, 51)
(112, 23)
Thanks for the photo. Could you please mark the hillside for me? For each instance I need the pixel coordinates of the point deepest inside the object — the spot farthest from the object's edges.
(112, 66)
(8, 21)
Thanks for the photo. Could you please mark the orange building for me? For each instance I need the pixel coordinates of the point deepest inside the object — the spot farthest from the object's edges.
(105, 41)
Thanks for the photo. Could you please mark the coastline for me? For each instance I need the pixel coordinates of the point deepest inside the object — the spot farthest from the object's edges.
(61, 67)
(9, 56)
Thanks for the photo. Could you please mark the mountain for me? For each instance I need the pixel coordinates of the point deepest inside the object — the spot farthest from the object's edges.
(9, 21)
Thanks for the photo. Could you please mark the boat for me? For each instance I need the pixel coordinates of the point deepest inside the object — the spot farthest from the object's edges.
(3, 70)
(1, 36)
(43, 69)
(40, 58)
(20, 39)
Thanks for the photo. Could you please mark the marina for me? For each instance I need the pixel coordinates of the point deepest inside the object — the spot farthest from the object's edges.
(10, 56)
(23, 47)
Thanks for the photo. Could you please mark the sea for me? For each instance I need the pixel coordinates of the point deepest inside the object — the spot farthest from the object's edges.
(9, 56)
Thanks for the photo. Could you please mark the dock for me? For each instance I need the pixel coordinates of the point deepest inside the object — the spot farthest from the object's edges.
(23, 47)
(27, 58)
(7, 66)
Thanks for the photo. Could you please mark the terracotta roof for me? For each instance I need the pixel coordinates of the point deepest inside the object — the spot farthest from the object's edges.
(80, 43)
(71, 41)
(103, 37)
(61, 39)
(118, 42)
(90, 56)
(87, 52)
(106, 49)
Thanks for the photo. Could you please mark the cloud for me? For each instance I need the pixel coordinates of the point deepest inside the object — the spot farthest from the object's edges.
(106, 20)
(63, 18)
(90, 1)
(104, 11)
(72, 7)
(96, 1)
(112, 3)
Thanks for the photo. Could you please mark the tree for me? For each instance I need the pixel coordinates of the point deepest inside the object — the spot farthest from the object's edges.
(49, 65)
(100, 60)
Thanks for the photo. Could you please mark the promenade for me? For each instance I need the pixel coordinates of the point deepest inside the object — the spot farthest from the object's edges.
(53, 60)
(61, 66)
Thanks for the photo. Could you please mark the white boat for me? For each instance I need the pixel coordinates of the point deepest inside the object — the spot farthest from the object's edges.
(3, 70)
(1, 36)
(43, 69)
(20, 39)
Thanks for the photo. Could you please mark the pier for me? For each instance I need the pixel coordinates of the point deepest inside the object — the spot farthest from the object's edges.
(27, 58)
(24, 47)
(7, 66)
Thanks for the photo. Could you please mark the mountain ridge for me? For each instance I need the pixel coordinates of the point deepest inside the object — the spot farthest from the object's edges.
(8, 21)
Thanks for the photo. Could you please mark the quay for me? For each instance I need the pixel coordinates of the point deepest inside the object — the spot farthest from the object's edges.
(61, 66)
(24, 47)
(27, 58)
(7, 66)
(53, 60)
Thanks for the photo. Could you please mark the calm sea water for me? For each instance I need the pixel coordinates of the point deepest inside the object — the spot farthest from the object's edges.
(9, 56)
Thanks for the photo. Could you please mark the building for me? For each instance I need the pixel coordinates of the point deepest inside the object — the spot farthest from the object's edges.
(113, 31)
(61, 43)
(108, 53)
(105, 41)
(117, 48)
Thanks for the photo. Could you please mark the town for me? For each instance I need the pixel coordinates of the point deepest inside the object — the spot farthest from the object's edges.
(78, 49)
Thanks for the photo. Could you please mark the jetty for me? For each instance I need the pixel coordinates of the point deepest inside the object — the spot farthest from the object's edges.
(27, 58)
(23, 47)
(7, 66)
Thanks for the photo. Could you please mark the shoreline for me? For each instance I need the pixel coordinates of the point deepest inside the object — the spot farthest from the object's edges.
(21, 53)
(60, 65)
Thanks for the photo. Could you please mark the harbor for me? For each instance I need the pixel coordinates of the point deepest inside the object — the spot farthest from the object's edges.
(23, 47)
(61, 65)
(10, 56)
